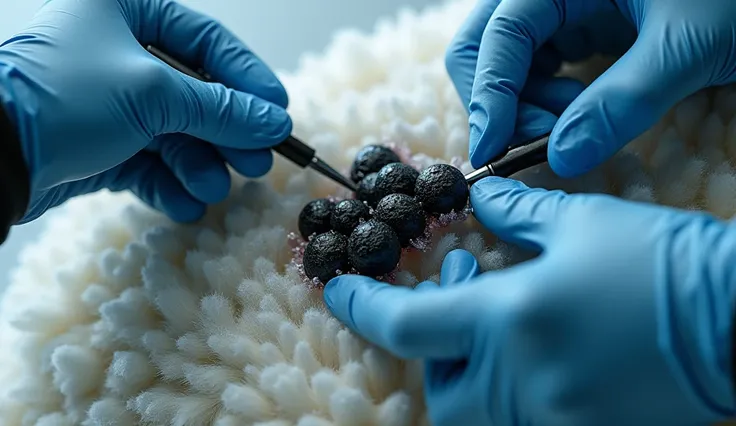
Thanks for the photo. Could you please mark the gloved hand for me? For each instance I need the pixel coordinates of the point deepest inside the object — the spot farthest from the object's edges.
(623, 319)
(503, 59)
(95, 110)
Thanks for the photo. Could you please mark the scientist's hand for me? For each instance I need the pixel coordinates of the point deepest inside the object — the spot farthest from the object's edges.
(503, 59)
(623, 319)
(95, 110)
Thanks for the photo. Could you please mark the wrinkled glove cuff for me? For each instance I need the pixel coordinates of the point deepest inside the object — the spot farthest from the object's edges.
(15, 183)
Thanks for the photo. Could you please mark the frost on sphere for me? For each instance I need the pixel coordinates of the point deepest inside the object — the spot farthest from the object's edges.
(326, 256)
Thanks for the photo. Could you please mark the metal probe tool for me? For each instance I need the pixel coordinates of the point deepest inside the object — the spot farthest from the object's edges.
(513, 160)
(292, 148)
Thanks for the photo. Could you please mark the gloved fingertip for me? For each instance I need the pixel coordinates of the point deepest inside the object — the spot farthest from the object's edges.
(458, 256)
(426, 285)
(531, 121)
(482, 153)
(273, 91)
(477, 148)
(260, 80)
(193, 212)
(337, 285)
(329, 291)
(479, 158)
(572, 150)
(249, 163)
(459, 266)
(560, 167)
(209, 187)
(279, 122)
(331, 284)
(487, 195)
(280, 96)
(485, 140)
(494, 184)
(261, 167)
(339, 294)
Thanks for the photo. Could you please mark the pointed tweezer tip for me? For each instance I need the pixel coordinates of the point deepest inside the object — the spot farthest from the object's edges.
(329, 172)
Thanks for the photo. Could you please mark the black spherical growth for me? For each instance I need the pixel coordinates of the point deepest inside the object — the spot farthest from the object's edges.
(404, 215)
(396, 178)
(325, 255)
(348, 214)
(370, 159)
(367, 190)
(441, 188)
(315, 217)
(374, 249)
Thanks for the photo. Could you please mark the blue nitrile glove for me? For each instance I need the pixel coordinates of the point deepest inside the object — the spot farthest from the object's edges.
(95, 110)
(623, 319)
(502, 60)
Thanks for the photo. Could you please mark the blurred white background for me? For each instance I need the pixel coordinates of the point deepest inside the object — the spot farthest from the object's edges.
(279, 31)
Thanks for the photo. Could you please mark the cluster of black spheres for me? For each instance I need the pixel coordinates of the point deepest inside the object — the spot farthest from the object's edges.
(391, 208)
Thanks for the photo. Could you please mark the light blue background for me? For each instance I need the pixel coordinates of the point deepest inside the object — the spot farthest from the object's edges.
(278, 30)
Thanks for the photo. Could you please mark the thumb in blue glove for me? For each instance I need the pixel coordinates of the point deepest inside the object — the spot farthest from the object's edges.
(95, 110)
(506, 46)
(624, 318)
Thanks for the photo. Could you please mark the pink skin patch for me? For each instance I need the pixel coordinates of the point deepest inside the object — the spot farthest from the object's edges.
(421, 244)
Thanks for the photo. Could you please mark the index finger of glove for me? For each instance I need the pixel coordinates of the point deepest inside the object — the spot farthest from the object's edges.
(408, 323)
(199, 41)
(172, 102)
(515, 30)
(461, 57)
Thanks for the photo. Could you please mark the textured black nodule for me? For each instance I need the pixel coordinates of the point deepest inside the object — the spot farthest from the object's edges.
(374, 249)
(315, 217)
(370, 159)
(325, 255)
(396, 178)
(441, 188)
(367, 190)
(348, 214)
(404, 215)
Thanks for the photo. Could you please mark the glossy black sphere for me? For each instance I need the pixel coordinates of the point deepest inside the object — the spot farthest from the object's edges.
(348, 214)
(396, 178)
(370, 159)
(315, 217)
(367, 190)
(325, 255)
(404, 215)
(441, 188)
(374, 249)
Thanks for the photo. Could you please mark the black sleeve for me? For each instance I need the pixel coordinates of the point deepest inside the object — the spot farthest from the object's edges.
(15, 185)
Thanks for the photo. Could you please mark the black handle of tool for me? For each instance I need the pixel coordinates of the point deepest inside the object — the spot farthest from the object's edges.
(295, 150)
(292, 148)
(522, 157)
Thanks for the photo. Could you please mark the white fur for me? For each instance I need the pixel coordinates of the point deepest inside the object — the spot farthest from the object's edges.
(118, 317)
